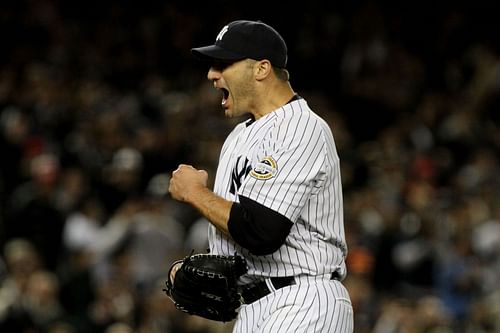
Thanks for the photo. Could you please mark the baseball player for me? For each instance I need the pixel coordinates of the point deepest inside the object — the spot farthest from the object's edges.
(277, 199)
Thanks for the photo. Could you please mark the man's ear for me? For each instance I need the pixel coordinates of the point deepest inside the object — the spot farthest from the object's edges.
(262, 69)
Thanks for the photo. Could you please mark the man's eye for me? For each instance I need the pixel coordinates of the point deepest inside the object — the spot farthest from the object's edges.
(220, 66)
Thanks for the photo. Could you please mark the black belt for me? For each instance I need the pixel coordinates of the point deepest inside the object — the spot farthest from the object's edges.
(257, 290)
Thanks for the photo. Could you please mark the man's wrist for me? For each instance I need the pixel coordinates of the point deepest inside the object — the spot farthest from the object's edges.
(174, 270)
(197, 195)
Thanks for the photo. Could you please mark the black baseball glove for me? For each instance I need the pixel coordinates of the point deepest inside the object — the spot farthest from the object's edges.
(206, 285)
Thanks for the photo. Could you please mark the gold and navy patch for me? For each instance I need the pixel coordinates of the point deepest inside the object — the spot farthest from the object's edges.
(265, 169)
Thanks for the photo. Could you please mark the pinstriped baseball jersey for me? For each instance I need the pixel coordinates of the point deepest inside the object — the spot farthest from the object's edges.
(287, 161)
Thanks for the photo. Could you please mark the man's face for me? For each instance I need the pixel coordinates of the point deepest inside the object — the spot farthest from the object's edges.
(235, 81)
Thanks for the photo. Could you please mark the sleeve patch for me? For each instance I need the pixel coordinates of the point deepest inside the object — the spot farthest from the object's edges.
(265, 169)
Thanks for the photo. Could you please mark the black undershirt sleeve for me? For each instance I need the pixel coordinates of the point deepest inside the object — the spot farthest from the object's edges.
(256, 227)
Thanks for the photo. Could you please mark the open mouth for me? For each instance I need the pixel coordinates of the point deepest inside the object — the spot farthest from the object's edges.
(225, 95)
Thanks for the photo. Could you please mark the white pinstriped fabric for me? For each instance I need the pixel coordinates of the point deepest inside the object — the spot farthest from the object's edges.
(311, 306)
(287, 161)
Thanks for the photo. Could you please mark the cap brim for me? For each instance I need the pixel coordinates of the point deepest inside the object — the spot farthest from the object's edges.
(215, 53)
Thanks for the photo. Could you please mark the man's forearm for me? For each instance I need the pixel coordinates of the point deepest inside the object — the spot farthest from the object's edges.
(212, 207)
(189, 185)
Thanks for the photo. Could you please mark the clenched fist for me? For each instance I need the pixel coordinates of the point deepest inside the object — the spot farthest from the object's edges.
(185, 181)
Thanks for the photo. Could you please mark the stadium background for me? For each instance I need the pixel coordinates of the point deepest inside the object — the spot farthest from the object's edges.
(100, 100)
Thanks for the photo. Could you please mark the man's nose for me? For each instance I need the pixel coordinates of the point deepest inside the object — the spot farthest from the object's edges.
(213, 74)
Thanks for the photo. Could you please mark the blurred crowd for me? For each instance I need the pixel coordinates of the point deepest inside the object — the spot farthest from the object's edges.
(100, 101)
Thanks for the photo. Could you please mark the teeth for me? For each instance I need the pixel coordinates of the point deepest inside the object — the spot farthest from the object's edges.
(225, 96)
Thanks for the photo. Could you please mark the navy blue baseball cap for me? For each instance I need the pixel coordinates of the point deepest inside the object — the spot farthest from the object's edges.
(243, 39)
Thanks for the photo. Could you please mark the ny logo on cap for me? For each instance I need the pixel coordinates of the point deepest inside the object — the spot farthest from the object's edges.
(221, 33)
